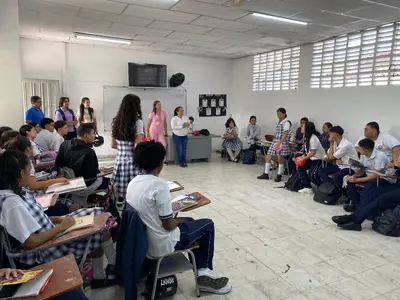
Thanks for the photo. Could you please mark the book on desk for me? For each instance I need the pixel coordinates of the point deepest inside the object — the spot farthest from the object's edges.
(73, 185)
(80, 223)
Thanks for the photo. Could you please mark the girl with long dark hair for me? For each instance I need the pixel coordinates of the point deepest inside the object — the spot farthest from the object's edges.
(314, 153)
(180, 128)
(127, 131)
(279, 147)
(232, 142)
(86, 113)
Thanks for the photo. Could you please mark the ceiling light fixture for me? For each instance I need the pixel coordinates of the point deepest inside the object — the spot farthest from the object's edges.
(100, 38)
(279, 19)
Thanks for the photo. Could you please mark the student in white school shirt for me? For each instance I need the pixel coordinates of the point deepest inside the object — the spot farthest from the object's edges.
(383, 142)
(150, 196)
(60, 130)
(314, 154)
(45, 138)
(339, 153)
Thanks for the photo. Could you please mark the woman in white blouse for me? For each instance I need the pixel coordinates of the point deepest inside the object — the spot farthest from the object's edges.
(180, 125)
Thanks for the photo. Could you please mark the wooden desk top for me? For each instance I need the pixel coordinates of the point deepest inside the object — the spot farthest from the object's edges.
(99, 222)
(105, 172)
(65, 277)
(180, 188)
(201, 202)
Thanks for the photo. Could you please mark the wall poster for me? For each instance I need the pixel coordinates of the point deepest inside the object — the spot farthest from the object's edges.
(212, 105)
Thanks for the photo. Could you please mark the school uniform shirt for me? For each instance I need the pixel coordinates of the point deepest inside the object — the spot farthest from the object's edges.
(254, 133)
(385, 143)
(150, 196)
(344, 151)
(34, 115)
(45, 140)
(377, 161)
(58, 140)
(86, 115)
(315, 145)
(177, 125)
(36, 149)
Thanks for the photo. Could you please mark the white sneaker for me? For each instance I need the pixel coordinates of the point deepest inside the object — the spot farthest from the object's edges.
(306, 191)
(225, 290)
(209, 273)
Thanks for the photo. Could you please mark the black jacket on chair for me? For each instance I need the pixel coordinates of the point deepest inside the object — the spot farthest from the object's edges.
(132, 247)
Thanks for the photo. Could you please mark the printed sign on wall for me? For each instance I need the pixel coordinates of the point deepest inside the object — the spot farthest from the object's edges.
(212, 105)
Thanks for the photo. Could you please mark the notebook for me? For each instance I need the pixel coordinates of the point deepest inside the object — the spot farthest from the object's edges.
(31, 288)
(74, 185)
(181, 203)
(47, 200)
(172, 185)
(80, 223)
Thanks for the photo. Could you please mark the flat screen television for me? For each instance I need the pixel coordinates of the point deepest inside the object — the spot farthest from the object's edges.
(147, 75)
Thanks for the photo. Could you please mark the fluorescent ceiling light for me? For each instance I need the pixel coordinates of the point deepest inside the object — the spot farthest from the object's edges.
(279, 19)
(102, 38)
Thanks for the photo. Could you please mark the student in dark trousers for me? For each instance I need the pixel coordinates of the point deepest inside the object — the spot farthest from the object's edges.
(299, 134)
(324, 138)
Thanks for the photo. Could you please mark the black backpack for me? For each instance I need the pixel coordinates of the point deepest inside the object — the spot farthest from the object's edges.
(294, 183)
(249, 157)
(166, 286)
(204, 132)
(327, 193)
(388, 222)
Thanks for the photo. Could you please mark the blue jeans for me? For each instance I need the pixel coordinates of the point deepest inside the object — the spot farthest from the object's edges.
(355, 196)
(337, 173)
(201, 231)
(377, 201)
(180, 144)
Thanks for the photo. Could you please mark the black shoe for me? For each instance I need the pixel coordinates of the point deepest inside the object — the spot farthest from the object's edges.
(185, 165)
(263, 176)
(278, 178)
(342, 219)
(109, 281)
(165, 163)
(182, 165)
(351, 226)
(349, 208)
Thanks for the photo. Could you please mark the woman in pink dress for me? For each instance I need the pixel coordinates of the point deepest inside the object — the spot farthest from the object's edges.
(157, 124)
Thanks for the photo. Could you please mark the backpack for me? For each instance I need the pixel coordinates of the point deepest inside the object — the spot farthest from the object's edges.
(327, 193)
(294, 183)
(109, 203)
(388, 222)
(313, 173)
(204, 132)
(165, 287)
(249, 157)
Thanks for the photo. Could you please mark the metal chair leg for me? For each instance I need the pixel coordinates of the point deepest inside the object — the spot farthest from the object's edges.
(194, 271)
(153, 292)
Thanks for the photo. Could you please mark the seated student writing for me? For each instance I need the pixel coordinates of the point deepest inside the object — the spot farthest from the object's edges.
(59, 209)
(149, 195)
(71, 295)
(45, 138)
(232, 142)
(25, 221)
(78, 155)
(60, 130)
(324, 138)
(372, 161)
(314, 154)
(339, 153)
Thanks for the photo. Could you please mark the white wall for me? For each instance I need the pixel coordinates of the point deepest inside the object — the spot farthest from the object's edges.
(350, 108)
(83, 70)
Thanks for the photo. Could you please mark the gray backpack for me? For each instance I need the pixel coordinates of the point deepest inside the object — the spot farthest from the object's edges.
(388, 222)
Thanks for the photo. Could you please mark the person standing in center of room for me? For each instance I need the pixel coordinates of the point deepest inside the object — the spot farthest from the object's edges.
(279, 147)
(157, 125)
(64, 113)
(127, 132)
(180, 125)
(86, 114)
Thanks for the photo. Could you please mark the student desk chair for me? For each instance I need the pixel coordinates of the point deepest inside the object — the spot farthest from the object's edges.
(66, 277)
(80, 234)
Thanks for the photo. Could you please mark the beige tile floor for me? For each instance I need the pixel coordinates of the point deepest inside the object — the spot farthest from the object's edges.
(278, 245)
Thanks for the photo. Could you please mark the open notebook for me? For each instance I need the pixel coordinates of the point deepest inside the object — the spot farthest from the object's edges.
(172, 185)
(47, 200)
(31, 284)
(80, 223)
(73, 186)
(181, 203)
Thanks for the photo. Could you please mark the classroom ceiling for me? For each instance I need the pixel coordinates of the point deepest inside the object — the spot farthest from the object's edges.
(217, 28)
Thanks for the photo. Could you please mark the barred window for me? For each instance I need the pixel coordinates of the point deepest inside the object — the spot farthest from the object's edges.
(365, 58)
(277, 70)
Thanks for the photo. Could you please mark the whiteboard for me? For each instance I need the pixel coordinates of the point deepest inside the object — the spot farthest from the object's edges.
(170, 99)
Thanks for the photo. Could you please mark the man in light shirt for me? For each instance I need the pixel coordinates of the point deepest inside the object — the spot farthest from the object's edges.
(383, 142)
(61, 129)
(45, 139)
(339, 153)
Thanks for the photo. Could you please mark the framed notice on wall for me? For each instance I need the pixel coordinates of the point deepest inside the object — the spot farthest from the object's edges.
(212, 105)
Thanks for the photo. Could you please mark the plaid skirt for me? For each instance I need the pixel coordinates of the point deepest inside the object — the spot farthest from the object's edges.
(285, 149)
(77, 248)
(124, 172)
(234, 144)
